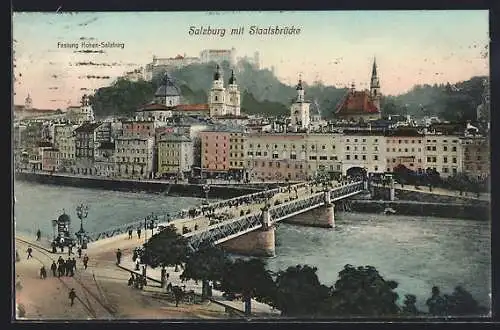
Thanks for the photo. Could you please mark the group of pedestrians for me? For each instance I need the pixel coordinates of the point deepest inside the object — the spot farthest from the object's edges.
(131, 232)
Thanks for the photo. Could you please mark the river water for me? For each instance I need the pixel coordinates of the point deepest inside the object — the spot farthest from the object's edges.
(417, 252)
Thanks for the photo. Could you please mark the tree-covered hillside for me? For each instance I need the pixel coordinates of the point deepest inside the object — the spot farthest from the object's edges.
(263, 93)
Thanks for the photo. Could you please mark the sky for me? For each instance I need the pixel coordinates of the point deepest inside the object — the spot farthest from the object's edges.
(334, 47)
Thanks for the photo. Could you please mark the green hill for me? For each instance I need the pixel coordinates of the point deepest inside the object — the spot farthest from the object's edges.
(263, 93)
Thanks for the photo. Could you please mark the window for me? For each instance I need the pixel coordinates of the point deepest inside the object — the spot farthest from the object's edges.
(445, 159)
(454, 160)
(364, 140)
(348, 157)
(293, 156)
(323, 147)
(364, 157)
(434, 159)
(454, 148)
(388, 149)
(312, 157)
(428, 159)
(275, 155)
(445, 148)
(347, 148)
(434, 148)
(323, 158)
(375, 157)
(356, 157)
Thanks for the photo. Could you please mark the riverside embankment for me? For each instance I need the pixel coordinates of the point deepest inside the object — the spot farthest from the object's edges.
(222, 191)
(424, 203)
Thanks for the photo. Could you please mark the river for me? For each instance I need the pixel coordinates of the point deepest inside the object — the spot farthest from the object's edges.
(417, 252)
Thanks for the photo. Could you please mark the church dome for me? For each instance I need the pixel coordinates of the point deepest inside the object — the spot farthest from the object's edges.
(167, 87)
(64, 218)
(232, 79)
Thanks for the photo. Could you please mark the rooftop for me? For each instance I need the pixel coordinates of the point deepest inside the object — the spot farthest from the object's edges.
(357, 102)
(87, 127)
(193, 107)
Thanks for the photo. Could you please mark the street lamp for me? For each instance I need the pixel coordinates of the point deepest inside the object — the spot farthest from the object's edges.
(206, 189)
(82, 212)
(151, 219)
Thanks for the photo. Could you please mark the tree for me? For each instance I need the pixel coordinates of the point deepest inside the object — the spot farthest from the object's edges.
(363, 291)
(409, 307)
(250, 278)
(436, 303)
(206, 265)
(299, 292)
(461, 303)
(166, 248)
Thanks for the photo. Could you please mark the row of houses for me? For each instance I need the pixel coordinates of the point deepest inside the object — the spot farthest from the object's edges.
(147, 149)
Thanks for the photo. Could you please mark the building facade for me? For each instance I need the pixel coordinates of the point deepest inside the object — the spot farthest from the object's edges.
(443, 154)
(405, 148)
(134, 157)
(476, 156)
(104, 163)
(85, 146)
(214, 152)
(50, 159)
(64, 140)
(175, 155)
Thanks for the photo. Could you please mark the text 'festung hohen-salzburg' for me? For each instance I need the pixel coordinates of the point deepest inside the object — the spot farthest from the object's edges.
(252, 30)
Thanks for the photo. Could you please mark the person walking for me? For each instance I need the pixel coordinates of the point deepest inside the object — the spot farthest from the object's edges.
(43, 273)
(38, 234)
(118, 256)
(139, 233)
(72, 296)
(29, 251)
(68, 266)
(70, 250)
(130, 234)
(72, 267)
(85, 261)
(79, 251)
(53, 268)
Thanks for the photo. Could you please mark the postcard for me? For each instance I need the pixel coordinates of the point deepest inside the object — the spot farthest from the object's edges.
(318, 165)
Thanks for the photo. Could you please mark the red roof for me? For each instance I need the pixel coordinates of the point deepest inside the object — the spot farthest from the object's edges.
(153, 106)
(358, 102)
(193, 107)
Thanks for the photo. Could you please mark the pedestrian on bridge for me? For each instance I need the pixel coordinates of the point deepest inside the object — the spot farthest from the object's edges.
(29, 251)
(79, 251)
(38, 234)
(53, 268)
(67, 266)
(130, 234)
(85, 261)
(139, 233)
(72, 296)
(70, 250)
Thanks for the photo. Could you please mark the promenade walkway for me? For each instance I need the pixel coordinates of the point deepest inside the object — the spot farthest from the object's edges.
(154, 274)
(443, 192)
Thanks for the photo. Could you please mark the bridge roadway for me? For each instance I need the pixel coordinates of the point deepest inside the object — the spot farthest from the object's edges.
(296, 199)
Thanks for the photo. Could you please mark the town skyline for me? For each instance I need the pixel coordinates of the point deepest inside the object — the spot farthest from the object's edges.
(439, 47)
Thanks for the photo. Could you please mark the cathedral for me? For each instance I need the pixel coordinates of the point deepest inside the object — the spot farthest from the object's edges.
(222, 101)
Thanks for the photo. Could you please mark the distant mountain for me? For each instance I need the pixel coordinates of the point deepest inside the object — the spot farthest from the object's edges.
(263, 93)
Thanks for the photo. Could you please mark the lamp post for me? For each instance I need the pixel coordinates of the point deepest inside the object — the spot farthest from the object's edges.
(206, 190)
(82, 212)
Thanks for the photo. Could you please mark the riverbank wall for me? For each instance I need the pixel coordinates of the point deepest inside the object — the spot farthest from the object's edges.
(426, 209)
(171, 189)
(425, 196)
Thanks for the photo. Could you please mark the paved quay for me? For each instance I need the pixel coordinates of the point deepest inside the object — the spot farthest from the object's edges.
(442, 192)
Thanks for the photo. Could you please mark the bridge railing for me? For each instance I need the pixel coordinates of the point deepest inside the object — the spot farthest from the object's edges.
(347, 189)
(223, 230)
(281, 211)
(122, 229)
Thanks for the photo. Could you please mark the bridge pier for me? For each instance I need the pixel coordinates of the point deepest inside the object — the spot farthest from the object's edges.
(392, 191)
(257, 243)
(323, 217)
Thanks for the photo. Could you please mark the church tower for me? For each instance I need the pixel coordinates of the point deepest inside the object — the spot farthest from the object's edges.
(299, 110)
(217, 103)
(233, 96)
(375, 86)
(28, 103)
